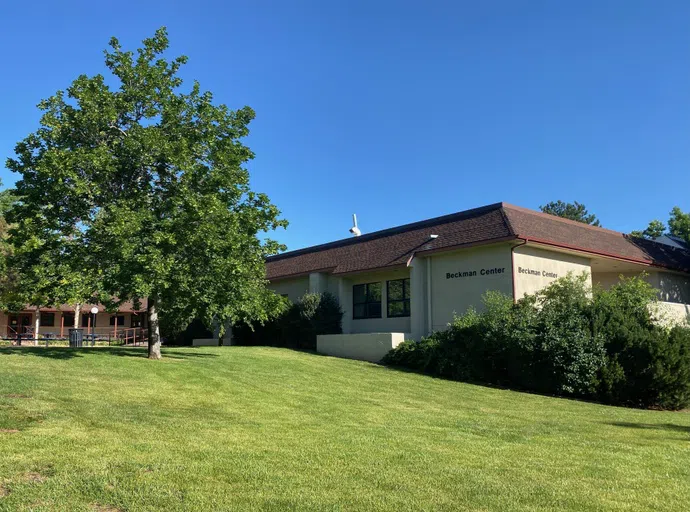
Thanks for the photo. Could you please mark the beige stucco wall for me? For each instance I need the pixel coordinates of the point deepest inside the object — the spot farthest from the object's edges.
(365, 347)
(383, 324)
(205, 342)
(671, 313)
(293, 288)
(459, 279)
(673, 287)
(536, 268)
(674, 292)
(607, 279)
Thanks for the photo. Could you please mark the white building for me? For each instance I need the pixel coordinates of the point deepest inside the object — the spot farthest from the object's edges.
(412, 279)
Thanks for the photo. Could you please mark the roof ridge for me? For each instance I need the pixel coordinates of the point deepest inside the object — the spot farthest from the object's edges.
(506, 219)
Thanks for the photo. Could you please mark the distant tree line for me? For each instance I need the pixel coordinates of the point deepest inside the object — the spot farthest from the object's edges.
(678, 224)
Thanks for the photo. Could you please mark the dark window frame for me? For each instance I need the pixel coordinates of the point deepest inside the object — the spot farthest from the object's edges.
(120, 322)
(369, 304)
(136, 320)
(85, 319)
(47, 314)
(68, 319)
(404, 301)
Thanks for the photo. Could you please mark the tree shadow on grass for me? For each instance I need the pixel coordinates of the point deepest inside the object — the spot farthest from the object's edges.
(652, 426)
(71, 353)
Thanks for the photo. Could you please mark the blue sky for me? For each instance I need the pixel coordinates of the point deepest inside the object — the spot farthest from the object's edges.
(401, 111)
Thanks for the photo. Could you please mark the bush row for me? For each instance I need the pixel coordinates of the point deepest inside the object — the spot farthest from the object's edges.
(298, 325)
(567, 340)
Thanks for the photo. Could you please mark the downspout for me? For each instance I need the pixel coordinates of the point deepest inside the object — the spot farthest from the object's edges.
(428, 295)
(512, 263)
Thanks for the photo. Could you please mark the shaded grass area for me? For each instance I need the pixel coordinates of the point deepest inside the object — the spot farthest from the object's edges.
(249, 428)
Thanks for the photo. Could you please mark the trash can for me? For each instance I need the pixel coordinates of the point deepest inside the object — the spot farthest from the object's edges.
(76, 337)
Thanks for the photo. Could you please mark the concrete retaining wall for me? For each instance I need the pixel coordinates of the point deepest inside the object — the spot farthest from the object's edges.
(671, 314)
(205, 342)
(365, 347)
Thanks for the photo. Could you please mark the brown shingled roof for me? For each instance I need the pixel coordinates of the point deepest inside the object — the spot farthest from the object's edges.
(549, 229)
(125, 307)
(492, 223)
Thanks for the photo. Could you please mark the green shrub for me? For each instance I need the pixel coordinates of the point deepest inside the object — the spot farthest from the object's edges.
(647, 365)
(671, 371)
(420, 356)
(570, 354)
(564, 340)
(298, 326)
(328, 316)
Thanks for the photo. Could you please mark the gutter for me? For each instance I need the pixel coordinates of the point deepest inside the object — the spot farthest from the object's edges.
(540, 241)
(590, 251)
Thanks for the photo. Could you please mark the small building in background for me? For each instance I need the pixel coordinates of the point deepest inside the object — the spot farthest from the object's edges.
(54, 323)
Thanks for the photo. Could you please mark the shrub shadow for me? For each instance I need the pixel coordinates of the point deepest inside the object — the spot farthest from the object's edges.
(652, 426)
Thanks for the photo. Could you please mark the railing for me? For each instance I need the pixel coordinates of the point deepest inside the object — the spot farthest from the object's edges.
(132, 336)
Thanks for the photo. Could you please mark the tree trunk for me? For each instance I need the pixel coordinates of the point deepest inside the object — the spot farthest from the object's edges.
(37, 325)
(77, 315)
(154, 331)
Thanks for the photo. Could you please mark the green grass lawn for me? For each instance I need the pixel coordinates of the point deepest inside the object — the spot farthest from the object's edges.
(245, 428)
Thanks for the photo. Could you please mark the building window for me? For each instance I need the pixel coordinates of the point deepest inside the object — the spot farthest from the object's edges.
(366, 301)
(88, 319)
(68, 319)
(120, 320)
(47, 319)
(398, 297)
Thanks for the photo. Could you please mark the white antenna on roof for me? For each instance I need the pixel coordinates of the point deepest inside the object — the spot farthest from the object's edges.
(354, 229)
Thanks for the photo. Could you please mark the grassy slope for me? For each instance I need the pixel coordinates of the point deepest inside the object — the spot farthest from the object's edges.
(261, 428)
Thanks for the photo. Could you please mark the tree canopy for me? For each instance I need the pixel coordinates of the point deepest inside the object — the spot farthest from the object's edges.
(7, 280)
(573, 211)
(145, 186)
(678, 226)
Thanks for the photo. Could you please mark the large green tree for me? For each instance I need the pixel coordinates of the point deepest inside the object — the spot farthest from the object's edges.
(7, 281)
(573, 211)
(153, 178)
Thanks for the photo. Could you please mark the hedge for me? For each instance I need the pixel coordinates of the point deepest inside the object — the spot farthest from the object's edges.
(566, 340)
(298, 326)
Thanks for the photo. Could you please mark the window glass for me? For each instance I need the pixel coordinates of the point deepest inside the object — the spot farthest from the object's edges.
(374, 310)
(359, 293)
(366, 301)
(48, 319)
(120, 320)
(88, 319)
(395, 290)
(374, 292)
(398, 297)
(360, 311)
(68, 319)
(396, 309)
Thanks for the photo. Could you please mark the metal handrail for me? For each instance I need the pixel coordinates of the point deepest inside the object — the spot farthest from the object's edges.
(124, 335)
